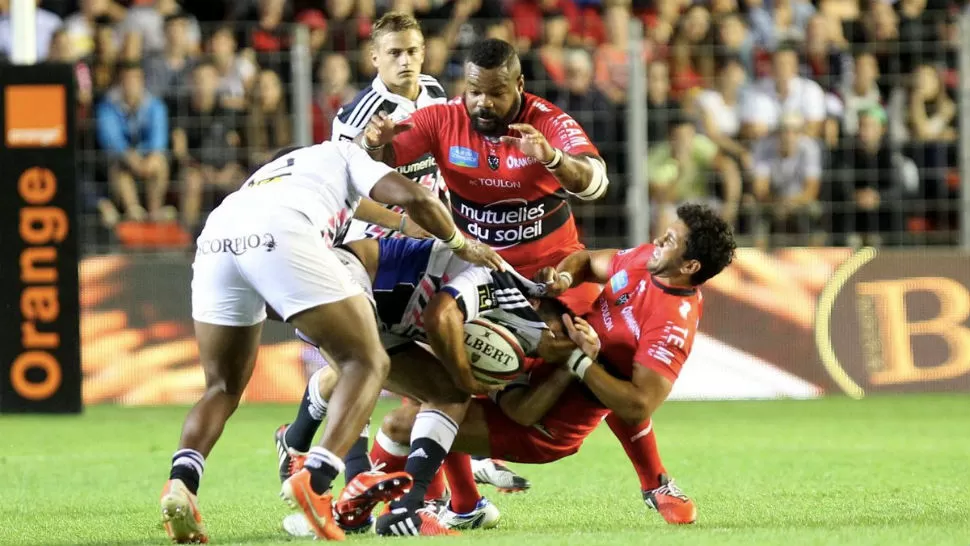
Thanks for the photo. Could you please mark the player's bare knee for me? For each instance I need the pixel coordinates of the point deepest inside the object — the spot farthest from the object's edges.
(397, 424)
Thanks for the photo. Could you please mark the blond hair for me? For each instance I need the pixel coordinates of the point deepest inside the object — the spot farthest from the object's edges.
(394, 21)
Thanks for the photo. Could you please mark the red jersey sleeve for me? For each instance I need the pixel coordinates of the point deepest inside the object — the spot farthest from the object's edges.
(629, 257)
(563, 132)
(421, 138)
(664, 347)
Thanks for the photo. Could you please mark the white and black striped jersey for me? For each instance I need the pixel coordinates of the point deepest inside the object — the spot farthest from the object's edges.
(352, 118)
(411, 271)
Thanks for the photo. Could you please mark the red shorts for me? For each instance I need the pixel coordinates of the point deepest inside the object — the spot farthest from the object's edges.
(510, 441)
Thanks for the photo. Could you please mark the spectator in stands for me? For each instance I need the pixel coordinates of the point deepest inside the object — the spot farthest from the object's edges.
(268, 124)
(148, 20)
(720, 110)
(878, 28)
(45, 25)
(132, 129)
(787, 177)
(335, 90)
(925, 113)
(530, 21)
(919, 35)
(661, 108)
(107, 55)
(205, 145)
(783, 93)
(825, 62)
(81, 26)
(611, 60)
(692, 52)
(859, 94)
(680, 170)
(544, 67)
(167, 74)
(60, 52)
(734, 39)
(872, 179)
(315, 21)
(237, 72)
(589, 106)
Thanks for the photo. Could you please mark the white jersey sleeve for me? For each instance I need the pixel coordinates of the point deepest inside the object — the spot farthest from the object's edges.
(362, 171)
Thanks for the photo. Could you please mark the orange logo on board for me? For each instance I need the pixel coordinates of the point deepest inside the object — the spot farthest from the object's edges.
(36, 116)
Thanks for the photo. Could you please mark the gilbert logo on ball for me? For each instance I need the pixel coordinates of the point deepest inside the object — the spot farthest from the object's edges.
(495, 354)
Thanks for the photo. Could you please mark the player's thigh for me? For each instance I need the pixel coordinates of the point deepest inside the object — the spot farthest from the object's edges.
(345, 330)
(473, 434)
(228, 355)
(418, 374)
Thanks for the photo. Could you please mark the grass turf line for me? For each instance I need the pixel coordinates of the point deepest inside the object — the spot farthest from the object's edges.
(885, 470)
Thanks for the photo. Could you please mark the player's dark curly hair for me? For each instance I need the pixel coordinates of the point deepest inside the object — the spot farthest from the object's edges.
(493, 53)
(710, 242)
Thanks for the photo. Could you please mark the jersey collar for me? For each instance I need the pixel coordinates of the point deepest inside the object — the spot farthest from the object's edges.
(382, 90)
(672, 290)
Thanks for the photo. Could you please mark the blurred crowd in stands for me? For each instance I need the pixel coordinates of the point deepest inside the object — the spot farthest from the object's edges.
(805, 123)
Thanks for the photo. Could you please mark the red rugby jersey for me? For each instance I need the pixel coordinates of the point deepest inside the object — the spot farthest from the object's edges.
(641, 320)
(498, 195)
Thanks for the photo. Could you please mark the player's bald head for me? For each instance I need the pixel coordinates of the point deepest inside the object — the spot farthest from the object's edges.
(494, 55)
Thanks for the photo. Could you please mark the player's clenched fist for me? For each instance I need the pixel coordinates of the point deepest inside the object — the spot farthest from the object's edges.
(531, 142)
(381, 129)
(480, 254)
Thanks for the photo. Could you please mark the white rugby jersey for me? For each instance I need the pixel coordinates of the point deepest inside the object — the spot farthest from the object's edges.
(352, 118)
(324, 182)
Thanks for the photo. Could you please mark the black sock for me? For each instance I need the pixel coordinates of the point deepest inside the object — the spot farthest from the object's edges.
(357, 459)
(431, 438)
(313, 408)
(188, 465)
(324, 467)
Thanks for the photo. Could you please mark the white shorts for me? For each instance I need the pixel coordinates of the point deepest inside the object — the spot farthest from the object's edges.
(247, 257)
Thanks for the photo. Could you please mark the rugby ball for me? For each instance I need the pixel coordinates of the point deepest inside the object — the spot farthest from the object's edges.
(495, 354)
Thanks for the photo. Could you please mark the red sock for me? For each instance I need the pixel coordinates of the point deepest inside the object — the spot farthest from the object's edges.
(390, 453)
(464, 492)
(640, 444)
(436, 489)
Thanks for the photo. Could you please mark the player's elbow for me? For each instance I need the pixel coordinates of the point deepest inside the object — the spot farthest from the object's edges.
(635, 411)
(523, 416)
(441, 310)
(598, 181)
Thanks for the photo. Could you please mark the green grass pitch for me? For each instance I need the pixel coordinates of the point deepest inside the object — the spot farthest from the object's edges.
(884, 470)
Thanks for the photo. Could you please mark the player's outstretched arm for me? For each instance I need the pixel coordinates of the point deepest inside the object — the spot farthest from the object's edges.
(444, 323)
(582, 174)
(373, 213)
(579, 267)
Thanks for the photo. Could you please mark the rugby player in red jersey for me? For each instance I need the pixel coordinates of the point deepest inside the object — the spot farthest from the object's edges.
(510, 160)
(645, 319)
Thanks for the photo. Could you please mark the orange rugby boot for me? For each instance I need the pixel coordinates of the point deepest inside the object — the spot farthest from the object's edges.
(318, 509)
(675, 506)
(364, 492)
(180, 514)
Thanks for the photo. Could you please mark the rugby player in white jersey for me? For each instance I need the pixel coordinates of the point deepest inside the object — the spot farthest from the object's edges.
(270, 243)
